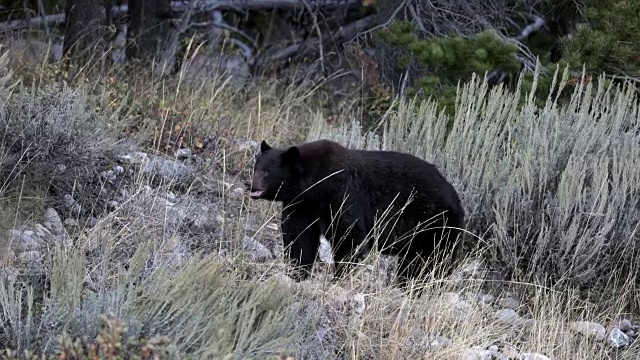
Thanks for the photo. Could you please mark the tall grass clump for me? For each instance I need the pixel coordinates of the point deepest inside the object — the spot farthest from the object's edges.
(553, 193)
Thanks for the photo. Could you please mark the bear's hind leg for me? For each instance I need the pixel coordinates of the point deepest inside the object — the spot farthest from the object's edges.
(349, 247)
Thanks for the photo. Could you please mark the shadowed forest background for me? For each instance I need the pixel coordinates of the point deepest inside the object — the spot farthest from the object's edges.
(128, 130)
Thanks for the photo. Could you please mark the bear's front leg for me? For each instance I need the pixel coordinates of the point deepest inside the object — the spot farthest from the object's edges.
(301, 239)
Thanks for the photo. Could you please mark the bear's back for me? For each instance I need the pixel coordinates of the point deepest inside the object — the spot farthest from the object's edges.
(394, 173)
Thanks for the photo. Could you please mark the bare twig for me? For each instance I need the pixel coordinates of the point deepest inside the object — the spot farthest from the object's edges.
(303, 48)
(318, 32)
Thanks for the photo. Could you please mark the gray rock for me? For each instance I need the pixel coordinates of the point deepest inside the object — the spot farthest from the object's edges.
(589, 329)
(509, 316)
(478, 354)
(509, 303)
(30, 256)
(617, 338)
(258, 251)
(168, 170)
(533, 356)
(251, 145)
(358, 304)
(118, 169)
(42, 232)
(71, 222)
(92, 221)
(71, 204)
(486, 298)
(460, 308)
(440, 341)
(238, 192)
(113, 205)
(53, 222)
(137, 157)
(625, 325)
(23, 241)
(108, 175)
(182, 154)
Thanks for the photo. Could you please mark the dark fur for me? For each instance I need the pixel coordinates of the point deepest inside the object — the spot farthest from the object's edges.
(371, 180)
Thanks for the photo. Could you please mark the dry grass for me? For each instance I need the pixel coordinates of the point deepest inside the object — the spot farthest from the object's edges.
(552, 193)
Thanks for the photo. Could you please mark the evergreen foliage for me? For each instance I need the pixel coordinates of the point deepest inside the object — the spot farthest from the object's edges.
(610, 41)
(450, 59)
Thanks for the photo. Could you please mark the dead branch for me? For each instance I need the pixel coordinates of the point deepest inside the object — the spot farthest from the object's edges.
(202, 5)
(310, 47)
(206, 5)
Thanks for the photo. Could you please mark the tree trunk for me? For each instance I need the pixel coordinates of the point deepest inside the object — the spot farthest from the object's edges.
(84, 20)
(147, 28)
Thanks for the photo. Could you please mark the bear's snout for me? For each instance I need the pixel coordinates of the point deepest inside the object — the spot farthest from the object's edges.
(256, 187)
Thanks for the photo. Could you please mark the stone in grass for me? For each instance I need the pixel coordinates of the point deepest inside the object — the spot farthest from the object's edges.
(258, 251)
(509, 303)
(533, 356)
(617, 338)
(589, 329)
(625, 325)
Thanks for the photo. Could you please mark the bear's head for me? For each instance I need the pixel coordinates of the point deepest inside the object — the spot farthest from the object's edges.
(276, 173)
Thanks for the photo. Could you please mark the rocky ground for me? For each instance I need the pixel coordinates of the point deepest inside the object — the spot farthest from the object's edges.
(197, 205)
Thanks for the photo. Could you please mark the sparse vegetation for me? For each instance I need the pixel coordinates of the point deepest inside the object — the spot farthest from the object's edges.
(551, 195)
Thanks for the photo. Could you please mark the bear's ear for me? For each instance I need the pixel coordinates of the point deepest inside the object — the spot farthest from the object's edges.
(291, 155)
(264, 146)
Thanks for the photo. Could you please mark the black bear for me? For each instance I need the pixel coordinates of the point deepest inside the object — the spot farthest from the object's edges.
(358, 199)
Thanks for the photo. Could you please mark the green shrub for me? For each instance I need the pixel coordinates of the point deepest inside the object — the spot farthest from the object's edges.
(450, 60)
(552, 191)
(609, 41)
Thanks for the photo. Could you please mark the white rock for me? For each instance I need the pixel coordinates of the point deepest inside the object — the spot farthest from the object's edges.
(617, 338)
(181, 154)
(118, 169)
(589, 329)
(258, 251)
(324, 251)
(533, 356)
(477, 354)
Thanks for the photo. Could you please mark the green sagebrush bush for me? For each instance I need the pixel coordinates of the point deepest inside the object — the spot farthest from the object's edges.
(553, 192)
